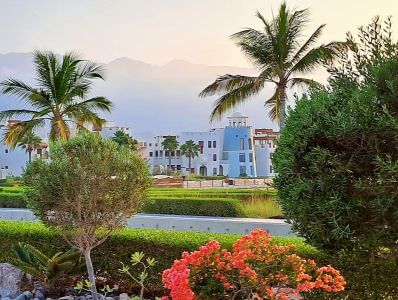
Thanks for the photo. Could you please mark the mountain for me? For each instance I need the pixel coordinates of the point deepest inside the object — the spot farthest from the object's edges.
(148, 98)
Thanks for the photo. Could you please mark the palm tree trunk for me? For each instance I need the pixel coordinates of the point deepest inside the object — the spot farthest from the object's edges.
(90, 271)
(169, 160)
(30, 155)
(189, 164)
(282, 117)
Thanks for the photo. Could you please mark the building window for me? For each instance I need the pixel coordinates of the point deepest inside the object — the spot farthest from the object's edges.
(6, 167)
(214, 144)
(271, 155)
(242, 144)
(150, 144)
(250, 143)
(6, 151)
(172, 153)
(150, 154)
(161, 153)
(214, 157)
(271, 169)
(166, 153)
(178, 152)
(251, 157)
(178, 167)
(242, 170)
(214, 171)
(201, 147)
(156, 153)
(209, 144)
(241, 157)
(251, 170)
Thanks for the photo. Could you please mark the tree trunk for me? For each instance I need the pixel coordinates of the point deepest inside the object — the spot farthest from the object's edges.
(30, 155)
(169, 160)
(189, 164)
(90, 271)
(282, 117)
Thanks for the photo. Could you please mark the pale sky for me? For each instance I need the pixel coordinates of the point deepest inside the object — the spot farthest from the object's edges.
(157, 31)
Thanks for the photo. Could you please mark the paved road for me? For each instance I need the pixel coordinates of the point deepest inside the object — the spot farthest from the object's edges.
(173, 222)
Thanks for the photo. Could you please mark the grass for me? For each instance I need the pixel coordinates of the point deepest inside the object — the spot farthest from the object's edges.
(261, 208)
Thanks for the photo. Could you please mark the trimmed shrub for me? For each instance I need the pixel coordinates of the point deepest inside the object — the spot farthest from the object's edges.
(163, 245)
(12, 200)
(220, 207)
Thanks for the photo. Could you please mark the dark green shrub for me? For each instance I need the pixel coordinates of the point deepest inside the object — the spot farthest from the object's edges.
(163, 245)
(220, 207)
(12, 200)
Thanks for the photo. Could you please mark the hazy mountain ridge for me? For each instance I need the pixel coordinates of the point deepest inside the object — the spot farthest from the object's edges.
(149, 98)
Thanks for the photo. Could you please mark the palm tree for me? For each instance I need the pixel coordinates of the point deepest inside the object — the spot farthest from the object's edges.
(60, 97)
(281, 57)
(170, 144)
(124, 139)
(190, 150)
(30, 142)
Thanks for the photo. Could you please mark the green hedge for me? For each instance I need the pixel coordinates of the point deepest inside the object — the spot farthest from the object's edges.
(220, 207)
(12, 200)
(165, 246)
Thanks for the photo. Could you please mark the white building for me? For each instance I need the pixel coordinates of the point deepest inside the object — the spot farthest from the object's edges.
(229, 151)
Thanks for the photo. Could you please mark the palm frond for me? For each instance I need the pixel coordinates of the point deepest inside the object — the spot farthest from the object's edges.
(305, 82)
(12, 113)
(274, 106)
(16, 132)
(233, 98)
(227, 83)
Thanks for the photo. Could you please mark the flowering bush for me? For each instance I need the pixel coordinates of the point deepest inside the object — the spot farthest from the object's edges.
(255, 269)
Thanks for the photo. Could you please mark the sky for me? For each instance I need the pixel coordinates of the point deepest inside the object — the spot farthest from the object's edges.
(158, 31)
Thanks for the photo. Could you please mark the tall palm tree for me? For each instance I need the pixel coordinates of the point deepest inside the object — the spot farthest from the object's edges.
(124, 139)
(281, 57)
(170, 144)
(30, 142)
(60, 98)
(190, 150)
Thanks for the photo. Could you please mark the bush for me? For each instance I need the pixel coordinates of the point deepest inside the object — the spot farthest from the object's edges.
(163, 245)
(220, 207)
(337, 161)
(254, 267)
(12, 200)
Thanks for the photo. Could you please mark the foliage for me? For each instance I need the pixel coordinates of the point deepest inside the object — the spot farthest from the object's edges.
(137, 258)
(282, 58)
(12, 200)
(170, 144)
(220, 207)
(254, 269)
(337, 163)
(373, 45)
(60, 97)
(164, 246)
(50, 270)
(30, 142)
(124, 139)
(88, 189)
(190, 150)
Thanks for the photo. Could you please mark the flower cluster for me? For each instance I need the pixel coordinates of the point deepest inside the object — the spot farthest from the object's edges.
(255, 269)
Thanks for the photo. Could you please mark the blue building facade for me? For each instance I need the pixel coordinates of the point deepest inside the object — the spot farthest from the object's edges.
(238, 147)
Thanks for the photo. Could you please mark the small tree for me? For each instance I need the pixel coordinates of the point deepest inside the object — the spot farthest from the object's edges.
(170, 144)
(89, 189)
(30, 142)
(190, 150)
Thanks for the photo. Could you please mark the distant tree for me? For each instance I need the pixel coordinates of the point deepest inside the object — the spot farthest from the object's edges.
(60, 98)
(190, 150)
(170, 144)
(88, 189)
(124, 139)
(30, 142)
(279, 53)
